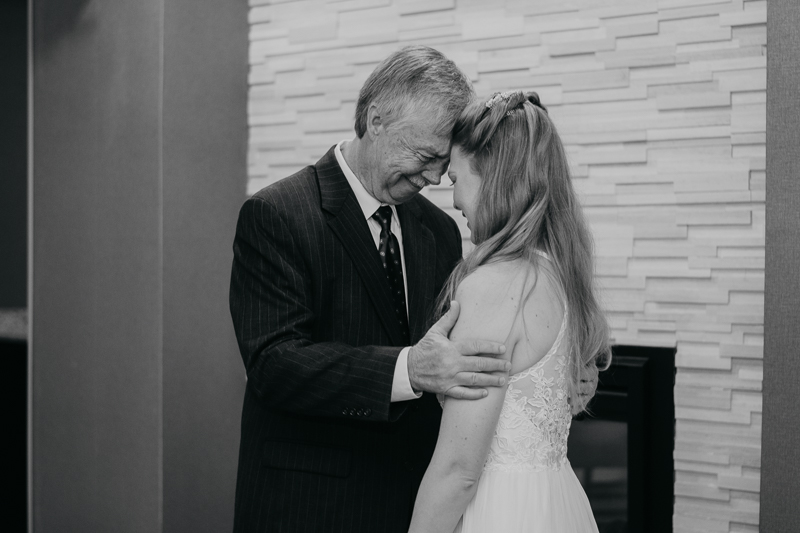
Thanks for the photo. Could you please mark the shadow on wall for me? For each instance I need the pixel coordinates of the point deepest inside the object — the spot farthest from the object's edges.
(63, 17)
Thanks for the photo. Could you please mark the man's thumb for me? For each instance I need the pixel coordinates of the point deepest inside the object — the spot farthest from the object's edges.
(449, 319)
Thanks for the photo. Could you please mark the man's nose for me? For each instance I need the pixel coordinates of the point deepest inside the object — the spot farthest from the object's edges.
(432, 176)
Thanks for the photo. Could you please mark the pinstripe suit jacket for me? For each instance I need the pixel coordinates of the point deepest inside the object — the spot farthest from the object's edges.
(322, 447)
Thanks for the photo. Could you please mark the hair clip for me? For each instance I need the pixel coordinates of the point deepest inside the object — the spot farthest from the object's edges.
(499, 97)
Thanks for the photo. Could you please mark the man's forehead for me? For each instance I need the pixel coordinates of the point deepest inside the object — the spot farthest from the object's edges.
(431, 143)
(424, 133)
(441, 151)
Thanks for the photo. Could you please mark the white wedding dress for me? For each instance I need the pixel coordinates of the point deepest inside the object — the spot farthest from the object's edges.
(527, 484)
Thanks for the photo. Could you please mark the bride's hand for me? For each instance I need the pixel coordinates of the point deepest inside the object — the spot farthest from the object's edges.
(586, 388)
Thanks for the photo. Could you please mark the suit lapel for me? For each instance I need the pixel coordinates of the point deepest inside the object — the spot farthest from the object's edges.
(346, 220)
(419, 248)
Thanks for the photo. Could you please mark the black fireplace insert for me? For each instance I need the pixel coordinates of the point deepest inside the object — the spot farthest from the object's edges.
(621, 449)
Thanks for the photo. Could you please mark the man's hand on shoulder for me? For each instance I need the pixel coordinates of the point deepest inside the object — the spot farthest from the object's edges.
(458, 369)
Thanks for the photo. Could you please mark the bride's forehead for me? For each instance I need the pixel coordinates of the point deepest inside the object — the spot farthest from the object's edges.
(458, 157)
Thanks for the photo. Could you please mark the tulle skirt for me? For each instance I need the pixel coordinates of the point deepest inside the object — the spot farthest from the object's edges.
(529, 501)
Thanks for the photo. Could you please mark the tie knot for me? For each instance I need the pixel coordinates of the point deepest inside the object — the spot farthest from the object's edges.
(384, 216)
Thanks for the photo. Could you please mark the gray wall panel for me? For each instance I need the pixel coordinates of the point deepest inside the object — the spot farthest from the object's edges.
(97, 271)
(780, 474)
(139, 170)
(205, 139)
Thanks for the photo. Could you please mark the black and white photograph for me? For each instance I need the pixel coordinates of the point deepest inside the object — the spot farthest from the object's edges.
(400, 266)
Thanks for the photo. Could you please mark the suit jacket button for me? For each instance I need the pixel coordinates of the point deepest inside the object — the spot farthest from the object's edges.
(367, 411)
(344, 411)
(360, 412)
(352, 412)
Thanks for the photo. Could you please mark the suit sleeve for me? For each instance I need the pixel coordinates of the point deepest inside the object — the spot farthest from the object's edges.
(270, 302)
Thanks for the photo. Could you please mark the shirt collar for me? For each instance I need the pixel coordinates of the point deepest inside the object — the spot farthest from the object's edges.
(367, 203)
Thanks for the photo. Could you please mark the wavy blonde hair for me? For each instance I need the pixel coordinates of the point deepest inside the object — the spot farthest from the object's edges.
(527, 202)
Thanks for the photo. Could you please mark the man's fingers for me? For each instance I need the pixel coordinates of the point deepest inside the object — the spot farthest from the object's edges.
(481, 347)
(448, 320)
(484, 364)
(466, 393)
(479, 379)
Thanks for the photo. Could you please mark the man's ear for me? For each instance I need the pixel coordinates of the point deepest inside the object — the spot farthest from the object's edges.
(375, 122)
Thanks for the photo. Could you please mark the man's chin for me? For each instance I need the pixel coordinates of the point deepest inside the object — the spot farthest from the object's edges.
(405, 197)
(404, 194)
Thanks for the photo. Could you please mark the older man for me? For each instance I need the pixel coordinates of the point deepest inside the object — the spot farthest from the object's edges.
(335, 273)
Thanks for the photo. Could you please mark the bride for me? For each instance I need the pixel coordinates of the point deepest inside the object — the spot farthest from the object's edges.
(500, 463)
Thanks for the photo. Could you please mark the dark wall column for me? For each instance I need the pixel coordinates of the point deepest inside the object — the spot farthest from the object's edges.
(13, 258)
(138, 170)
(780, 452)
(13, 154)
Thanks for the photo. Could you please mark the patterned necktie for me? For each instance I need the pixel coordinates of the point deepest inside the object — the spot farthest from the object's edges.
(389, 250)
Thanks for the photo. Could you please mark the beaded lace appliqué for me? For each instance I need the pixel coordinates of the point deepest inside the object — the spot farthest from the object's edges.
(534, 422)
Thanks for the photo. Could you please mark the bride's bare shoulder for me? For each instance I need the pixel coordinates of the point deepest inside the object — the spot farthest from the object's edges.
(493, 294)
(489, 298)
(487, 278)
(494, 285)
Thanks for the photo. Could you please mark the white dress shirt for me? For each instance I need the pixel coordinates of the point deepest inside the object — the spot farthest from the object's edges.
(401, 386)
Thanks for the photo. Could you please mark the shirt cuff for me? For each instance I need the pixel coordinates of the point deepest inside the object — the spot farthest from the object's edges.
(401, 385)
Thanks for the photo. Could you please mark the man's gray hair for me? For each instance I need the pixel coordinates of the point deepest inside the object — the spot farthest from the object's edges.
(415, 80)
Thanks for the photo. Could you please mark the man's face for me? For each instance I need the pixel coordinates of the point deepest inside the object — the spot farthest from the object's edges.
(408, 155)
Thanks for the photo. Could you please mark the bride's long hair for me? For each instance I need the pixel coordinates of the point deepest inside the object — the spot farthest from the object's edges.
(526, 203)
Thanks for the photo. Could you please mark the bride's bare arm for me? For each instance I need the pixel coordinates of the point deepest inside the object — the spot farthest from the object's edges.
(488, 308)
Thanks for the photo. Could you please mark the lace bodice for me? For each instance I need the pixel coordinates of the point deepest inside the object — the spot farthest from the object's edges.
(534, 422)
